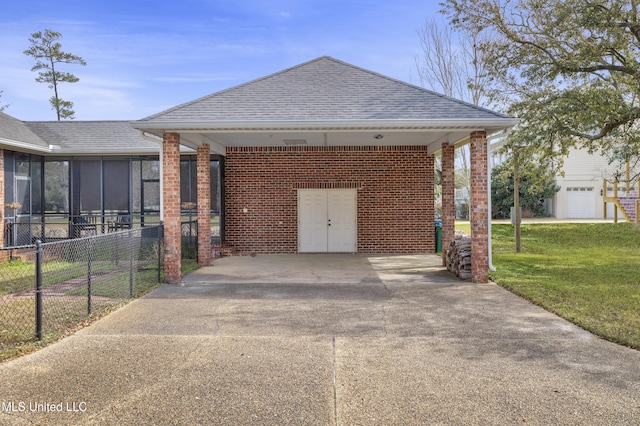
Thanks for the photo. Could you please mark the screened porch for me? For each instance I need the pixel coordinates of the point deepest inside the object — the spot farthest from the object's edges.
(52, 198)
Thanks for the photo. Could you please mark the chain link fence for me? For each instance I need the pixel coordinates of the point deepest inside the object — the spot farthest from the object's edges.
(58, 228)
(49, 288)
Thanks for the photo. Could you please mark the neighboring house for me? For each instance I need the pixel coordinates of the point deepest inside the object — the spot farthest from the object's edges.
(462, 203)
(57, 175)
(581, 194)
(321, 157)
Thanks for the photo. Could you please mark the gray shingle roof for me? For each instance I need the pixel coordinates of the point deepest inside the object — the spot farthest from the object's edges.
(74, 137)
(100, 137)
(14, 130)
(319, 90)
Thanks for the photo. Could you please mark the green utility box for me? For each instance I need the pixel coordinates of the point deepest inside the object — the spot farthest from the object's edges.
(438, 226)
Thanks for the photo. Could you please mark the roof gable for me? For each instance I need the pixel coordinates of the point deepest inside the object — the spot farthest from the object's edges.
(324, 89)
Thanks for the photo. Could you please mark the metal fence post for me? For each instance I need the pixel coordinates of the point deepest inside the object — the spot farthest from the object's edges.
(38, 290)
(160, 236)
(89, 276)
(131, 250)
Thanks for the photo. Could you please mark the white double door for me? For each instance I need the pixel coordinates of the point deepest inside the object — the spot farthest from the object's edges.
(327, 220)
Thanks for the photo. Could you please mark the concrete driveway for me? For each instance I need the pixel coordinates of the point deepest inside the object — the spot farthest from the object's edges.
(325, 340)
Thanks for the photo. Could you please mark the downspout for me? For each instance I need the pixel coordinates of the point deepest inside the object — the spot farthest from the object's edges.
(146, 137)
(489, 168)
(489, 248)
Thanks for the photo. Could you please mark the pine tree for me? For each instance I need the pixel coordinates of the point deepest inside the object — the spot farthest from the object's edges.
(47, 51)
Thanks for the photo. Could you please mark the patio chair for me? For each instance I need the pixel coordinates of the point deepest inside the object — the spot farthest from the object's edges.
(122, 222)
(84, 225)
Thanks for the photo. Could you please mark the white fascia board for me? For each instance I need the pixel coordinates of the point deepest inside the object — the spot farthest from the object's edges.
(102, 152)
(24, 145)
(183, 150)
(312, 125)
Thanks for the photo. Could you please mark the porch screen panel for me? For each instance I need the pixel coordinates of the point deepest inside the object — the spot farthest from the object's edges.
(90, 193)
(146, 185)
(116, 185)
(136, 185)
(23, 183)
(23, 194)
(36, 185)
(151, 196)
(151, 185)
(213, 167)
(188, 180)
(56, 187)
(22, 164)
(151, 169)
(9, 176)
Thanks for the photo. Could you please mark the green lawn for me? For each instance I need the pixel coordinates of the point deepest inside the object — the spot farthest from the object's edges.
(586, 273)
(17, 318)
(463, 226)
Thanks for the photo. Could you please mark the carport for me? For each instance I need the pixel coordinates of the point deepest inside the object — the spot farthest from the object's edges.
(326, 157)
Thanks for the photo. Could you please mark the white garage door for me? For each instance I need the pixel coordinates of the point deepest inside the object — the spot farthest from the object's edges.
(327, 220)
(581, 203)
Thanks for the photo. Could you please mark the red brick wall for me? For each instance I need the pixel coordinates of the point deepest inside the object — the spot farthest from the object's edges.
(204, 205)
(394, 191)
(479, 213)
(171, 211)
(448, 197)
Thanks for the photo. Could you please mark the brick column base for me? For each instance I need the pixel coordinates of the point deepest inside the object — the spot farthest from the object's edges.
(479, 208)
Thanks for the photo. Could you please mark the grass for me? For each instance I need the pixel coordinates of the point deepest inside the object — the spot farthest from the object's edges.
(585, 273)
(464, 226)
(189, 265)
(16, 275)
(59, 319)
(64, 316)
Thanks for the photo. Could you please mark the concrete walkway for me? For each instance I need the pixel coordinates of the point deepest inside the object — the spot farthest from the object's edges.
(325, 340)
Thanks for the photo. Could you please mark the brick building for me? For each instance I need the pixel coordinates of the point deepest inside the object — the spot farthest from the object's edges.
(326, 157)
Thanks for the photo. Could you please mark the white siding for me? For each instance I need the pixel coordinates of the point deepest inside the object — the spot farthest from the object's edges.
(582, 170)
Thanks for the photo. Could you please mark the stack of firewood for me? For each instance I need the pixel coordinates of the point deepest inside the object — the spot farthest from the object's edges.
(459, 256)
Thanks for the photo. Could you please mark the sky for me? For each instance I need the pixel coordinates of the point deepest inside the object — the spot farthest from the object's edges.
(145, 56)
